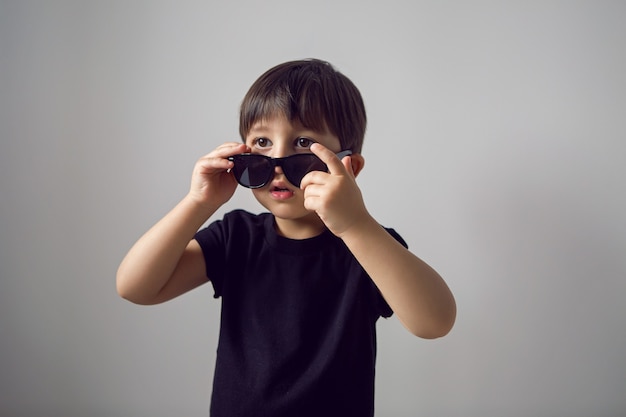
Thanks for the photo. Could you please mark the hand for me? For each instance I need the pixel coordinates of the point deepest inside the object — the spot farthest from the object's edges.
(334, 195)
(211, 183)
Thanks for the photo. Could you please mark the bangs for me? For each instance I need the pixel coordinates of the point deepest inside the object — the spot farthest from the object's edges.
(311, 92)
(295, 101)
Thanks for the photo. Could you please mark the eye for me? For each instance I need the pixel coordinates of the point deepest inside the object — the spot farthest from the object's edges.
(261, 142)
(303, 142)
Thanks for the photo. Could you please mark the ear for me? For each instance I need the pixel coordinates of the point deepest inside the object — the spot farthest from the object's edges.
(358, 162)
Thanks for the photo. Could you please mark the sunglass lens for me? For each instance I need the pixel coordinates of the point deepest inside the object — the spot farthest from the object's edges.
(297, 166)
(252, 171)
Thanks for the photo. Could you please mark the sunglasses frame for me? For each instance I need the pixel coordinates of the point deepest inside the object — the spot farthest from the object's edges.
(278, 162)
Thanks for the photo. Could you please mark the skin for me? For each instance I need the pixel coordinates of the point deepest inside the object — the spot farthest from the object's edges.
(167, 262)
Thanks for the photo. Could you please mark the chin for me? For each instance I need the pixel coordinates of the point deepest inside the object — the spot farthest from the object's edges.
(288, 213)
(287, 208)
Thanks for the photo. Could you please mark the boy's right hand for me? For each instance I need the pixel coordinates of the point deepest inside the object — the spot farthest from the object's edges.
(211, 183)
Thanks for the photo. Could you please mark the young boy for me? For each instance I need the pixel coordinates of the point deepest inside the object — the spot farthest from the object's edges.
(303, 285)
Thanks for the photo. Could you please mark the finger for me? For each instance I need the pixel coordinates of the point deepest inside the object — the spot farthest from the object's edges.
(211, 163)
(312, 203)
(227, 149)
(230, 149)
(229, 144)
(313, 178)
(347, 164)
(321, 178)
(327, 156)
(218, 157)
(313, 190)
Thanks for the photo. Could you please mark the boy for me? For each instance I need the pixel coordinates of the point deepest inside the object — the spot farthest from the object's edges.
(303, 285)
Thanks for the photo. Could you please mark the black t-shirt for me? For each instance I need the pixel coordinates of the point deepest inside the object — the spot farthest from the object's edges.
(297, 333)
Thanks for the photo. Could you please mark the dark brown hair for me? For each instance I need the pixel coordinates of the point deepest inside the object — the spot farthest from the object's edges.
(312, 92)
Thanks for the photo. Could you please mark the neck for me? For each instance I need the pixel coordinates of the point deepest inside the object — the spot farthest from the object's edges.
(301, 228)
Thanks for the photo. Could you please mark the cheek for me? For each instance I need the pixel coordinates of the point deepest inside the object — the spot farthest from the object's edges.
(258, 194)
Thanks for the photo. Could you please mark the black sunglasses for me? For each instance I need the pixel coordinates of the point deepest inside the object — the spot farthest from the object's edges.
(255, 171)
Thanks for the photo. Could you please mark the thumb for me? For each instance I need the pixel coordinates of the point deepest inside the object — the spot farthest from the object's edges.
(347, 164)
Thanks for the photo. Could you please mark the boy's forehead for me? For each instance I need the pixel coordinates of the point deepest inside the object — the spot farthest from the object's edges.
(277, 122)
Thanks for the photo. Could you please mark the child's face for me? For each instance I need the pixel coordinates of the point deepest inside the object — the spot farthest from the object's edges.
(278, 137)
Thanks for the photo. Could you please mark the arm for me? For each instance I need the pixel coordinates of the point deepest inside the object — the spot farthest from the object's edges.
(166, 262)
(416, 293)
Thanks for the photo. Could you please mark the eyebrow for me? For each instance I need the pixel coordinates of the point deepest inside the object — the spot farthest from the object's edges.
(261, 127)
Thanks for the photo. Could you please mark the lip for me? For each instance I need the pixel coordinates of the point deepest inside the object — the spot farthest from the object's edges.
(280, 190)
(280, 184)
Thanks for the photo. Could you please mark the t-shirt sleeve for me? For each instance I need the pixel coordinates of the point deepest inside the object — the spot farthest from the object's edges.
(397, 237)
(212, 242)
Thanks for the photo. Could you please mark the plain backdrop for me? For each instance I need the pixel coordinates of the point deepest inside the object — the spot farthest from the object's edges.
(495, 146)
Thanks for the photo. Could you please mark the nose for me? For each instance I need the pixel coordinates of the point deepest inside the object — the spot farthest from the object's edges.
(278, 171)
(280, 152)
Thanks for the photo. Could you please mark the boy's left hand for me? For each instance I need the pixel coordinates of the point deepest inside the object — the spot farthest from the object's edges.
(334, 195)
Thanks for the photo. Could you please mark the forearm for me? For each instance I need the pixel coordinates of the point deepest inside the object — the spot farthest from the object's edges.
(416, 293)
(153, 259)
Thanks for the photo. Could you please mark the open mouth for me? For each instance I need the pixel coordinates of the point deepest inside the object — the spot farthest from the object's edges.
(280, 190)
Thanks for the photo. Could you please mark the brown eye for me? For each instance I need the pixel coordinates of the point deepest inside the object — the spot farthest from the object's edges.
(303, 142)
(261, 142)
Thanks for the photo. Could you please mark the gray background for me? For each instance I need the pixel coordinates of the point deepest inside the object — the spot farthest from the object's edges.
(495, 147)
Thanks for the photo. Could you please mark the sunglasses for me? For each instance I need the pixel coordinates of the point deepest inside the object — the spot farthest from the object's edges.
(255, 171)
